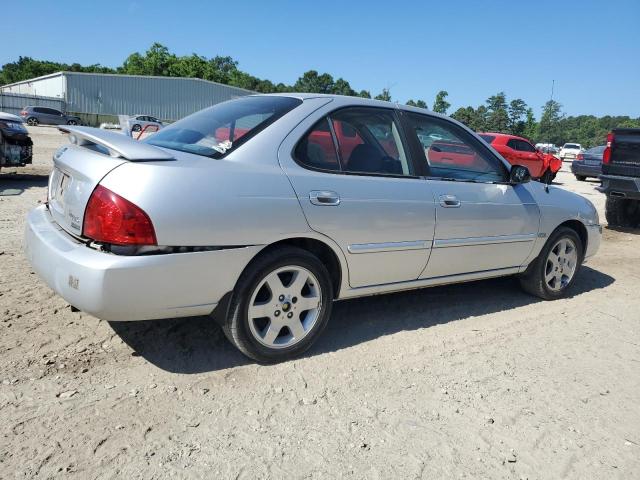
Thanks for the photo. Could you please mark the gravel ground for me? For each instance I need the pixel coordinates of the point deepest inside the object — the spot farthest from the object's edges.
(472, 381)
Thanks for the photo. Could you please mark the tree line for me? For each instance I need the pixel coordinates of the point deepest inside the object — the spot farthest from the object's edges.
(497, 114)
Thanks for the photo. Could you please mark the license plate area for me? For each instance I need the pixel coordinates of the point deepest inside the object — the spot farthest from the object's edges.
(60, 182)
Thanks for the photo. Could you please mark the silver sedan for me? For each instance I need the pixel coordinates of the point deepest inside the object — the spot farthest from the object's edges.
(263, 210)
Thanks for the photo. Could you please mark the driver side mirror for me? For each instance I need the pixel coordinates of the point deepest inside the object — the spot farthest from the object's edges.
(519, 174)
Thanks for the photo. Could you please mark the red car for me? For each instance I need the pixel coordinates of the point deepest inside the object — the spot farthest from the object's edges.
(519, 151)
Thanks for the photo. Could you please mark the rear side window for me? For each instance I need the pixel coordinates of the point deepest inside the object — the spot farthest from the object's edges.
(488, 138)
(316, 149)
(39, 110)
(369, 141)
(218, 130)
(355, 140)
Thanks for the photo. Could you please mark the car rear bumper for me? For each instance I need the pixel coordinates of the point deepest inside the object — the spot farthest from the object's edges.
(620, 186)
(578, 168)
(119, 288)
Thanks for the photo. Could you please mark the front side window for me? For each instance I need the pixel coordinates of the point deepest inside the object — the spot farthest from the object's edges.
(525, 146)
(217, 130)
(451, 153)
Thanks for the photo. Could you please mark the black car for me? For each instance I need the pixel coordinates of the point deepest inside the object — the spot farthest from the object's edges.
(588, 164)
(16, 148)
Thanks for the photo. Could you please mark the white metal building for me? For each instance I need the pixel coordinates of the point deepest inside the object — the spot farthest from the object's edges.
(168, 98)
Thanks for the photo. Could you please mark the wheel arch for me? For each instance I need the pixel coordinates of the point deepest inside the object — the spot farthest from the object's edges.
(578, 227)
(327, 255)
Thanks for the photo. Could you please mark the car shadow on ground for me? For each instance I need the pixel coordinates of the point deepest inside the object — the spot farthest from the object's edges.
(630, 230)
(196, 345)
(12, 184)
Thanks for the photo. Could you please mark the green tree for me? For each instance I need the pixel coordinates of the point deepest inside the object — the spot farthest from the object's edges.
(342, 87)
(440, 104)
(384, 95)
(517, 112)
(418, 103)
(312, 82)
(498, 116)
(364, 94)
(549, 130)
(530, 129)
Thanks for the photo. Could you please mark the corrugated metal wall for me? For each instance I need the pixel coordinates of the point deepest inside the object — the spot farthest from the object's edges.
(162, 97)
(13, 102)
(47, 86)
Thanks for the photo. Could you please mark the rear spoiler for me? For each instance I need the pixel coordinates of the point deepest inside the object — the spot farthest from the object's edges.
(119, 145)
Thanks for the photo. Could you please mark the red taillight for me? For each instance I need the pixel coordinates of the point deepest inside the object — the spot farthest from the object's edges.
(580, 157)
(606, 155)
(112, 219)
(24, 113)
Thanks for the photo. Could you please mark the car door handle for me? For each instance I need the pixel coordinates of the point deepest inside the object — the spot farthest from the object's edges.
(324, 197)
(449, 201)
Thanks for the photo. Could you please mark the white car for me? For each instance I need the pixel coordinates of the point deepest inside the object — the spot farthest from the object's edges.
(140, 122)
(570, 151)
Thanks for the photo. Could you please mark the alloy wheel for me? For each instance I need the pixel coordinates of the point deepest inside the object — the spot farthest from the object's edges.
(284, 306)
(561, 264)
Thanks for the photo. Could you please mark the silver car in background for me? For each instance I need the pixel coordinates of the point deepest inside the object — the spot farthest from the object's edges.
(144, 122)
(263, 210)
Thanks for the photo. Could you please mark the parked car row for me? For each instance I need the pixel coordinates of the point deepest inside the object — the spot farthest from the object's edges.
(263, 210)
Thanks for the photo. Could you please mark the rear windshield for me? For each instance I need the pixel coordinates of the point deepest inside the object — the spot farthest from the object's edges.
(218, 130)
(488, 138)
(596, 150)
(571, 145)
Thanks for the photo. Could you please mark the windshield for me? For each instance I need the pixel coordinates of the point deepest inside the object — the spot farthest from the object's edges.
(571, 145)
(217, 130)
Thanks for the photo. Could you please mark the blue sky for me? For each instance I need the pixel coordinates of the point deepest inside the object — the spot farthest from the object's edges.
(472, 49)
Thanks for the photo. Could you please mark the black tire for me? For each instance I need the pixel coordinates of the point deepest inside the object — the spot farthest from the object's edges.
(533, 281)
(32, 121)
(136, 128)
(72, 122)
(622, 212)
(581, 178)
(236, 325)
(548, 176)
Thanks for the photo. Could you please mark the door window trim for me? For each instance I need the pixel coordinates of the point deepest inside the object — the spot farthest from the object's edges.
(401, 132)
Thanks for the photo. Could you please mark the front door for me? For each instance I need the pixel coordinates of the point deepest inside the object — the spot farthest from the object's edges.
(356, 185)
(483, 223)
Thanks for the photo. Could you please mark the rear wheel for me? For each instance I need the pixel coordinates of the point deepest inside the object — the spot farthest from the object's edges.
(72, 122)
(32, 121)
(554, 271)
(581, 178)
(622, 212)
(280, 305)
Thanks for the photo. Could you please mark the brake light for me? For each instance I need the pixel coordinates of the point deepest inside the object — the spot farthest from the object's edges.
(580, 157)
(606, 155)
(112, 219)
(24, 113)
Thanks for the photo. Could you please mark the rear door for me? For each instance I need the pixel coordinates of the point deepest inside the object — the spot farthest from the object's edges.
(483, 223)
(353, 177)
(527, 155)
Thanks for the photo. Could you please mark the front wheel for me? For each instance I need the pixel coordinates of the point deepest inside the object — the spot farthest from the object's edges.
(72, 122)
(136, 128)
(551, 274)
(281, 304)
(548, 177)
(581, 178)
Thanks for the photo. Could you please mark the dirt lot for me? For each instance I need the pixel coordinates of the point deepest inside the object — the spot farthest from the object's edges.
(470, 381)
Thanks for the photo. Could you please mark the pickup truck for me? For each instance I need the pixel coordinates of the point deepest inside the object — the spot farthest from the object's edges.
(621, 177)
(16, 148)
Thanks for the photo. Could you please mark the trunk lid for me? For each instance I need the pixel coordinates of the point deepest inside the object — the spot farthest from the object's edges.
(80, 166)
(625, 153)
